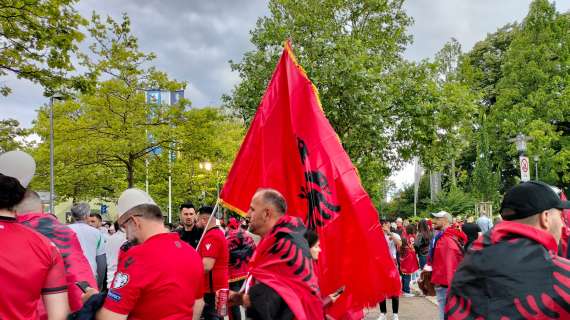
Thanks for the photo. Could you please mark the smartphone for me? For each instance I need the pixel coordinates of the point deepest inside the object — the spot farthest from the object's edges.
(83, 285)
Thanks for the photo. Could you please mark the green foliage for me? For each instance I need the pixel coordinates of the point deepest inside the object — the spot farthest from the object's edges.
(534, 92)
(347, 49)
(454, 201)
(108, 132)
(485, 182)
(10, 131)
(207, 135)
(38, 38)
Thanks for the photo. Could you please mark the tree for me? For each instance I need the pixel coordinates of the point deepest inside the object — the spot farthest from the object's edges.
(113, 128)
(10, 131)
(37, 39)
(533, 94)
(485, 182)
(482, 69)
(347, 49)
(207, 135)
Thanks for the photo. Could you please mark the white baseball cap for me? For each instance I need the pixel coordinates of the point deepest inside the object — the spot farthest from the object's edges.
(129, 199)
(19, 165)
(443, 214)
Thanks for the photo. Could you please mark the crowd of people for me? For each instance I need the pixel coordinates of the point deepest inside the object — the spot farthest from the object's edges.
(204, 268)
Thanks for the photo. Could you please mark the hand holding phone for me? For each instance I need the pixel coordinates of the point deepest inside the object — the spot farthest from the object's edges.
(83, 285)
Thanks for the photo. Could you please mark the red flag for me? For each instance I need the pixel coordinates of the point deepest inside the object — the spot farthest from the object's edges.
(291, 147)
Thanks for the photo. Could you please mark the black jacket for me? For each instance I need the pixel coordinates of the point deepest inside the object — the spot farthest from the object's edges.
(512, 272)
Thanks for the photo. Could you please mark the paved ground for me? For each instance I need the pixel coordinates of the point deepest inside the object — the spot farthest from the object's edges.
(415, 308)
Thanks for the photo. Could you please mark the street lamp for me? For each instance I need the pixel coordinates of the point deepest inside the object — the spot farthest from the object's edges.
(520, 141)
(59, 97)
(536, 158)
(205, 166)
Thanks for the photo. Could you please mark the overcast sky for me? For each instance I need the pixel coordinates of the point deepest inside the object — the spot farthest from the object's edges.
(195, 39)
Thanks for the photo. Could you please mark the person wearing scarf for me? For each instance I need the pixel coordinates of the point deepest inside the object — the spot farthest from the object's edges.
(281, 282)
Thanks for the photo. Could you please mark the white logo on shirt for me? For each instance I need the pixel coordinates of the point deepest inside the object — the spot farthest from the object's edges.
(208, 246)
(121, 279)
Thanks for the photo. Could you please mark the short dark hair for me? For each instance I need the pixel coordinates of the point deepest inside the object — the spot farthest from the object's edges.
(11, 192)
(312, 237)
(205, 210)
(117, 226)
(148, 211)
(187, 205)
(96, 215)
(274, 198)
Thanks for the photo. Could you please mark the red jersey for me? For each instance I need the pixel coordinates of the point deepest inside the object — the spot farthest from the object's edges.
(158, 279)
(214, 245)
(30, 266)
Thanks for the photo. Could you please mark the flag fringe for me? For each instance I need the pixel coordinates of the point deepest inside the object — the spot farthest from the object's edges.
(232, 207)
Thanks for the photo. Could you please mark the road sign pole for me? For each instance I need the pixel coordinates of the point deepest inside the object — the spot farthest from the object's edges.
(524, 165)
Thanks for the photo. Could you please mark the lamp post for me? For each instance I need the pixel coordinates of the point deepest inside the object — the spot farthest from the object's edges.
(207, 165)
(54, 97)
(536, 158)
(520, 141)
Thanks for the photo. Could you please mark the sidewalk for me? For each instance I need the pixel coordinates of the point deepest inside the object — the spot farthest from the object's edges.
(415, 308)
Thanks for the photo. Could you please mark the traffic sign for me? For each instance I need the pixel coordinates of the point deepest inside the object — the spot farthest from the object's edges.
(525, 173)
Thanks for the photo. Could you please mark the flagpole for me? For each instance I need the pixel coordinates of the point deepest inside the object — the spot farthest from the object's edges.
(209, 220)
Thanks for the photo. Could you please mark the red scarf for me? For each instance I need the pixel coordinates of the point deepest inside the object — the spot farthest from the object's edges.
(283, 262)
(456, 233)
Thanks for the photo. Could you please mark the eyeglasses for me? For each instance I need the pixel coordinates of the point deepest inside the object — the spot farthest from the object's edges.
(123, 225)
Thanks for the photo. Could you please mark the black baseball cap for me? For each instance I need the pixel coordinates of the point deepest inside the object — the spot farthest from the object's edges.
(530, 198)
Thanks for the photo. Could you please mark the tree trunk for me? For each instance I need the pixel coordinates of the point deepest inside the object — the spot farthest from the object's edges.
(131, 173)
(453, 178)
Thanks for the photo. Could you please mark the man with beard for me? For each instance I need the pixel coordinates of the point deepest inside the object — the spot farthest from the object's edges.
(160, 277)
(281, 283)
(513, 272)
(189, 232)
(445, 256)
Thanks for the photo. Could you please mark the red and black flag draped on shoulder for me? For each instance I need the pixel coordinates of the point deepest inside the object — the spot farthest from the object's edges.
(512, 272)
(292, 148)
(241, 247)
(76, 265)
(283, 262)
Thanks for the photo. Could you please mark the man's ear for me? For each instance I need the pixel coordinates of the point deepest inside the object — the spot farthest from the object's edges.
(267, 212)
(543, 219)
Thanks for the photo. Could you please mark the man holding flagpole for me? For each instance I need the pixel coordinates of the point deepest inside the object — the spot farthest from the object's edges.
(281, 283)
(291, 147)
(216, 258)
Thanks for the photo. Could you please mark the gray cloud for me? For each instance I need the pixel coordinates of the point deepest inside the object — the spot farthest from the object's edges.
(195, 39)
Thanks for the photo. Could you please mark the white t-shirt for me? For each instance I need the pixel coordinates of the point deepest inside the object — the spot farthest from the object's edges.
(114, 243)
(91, 241)
(392, 244)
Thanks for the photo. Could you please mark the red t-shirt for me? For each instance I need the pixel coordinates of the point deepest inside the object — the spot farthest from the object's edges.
(214, 245)
(158, 279)
(30, 266)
